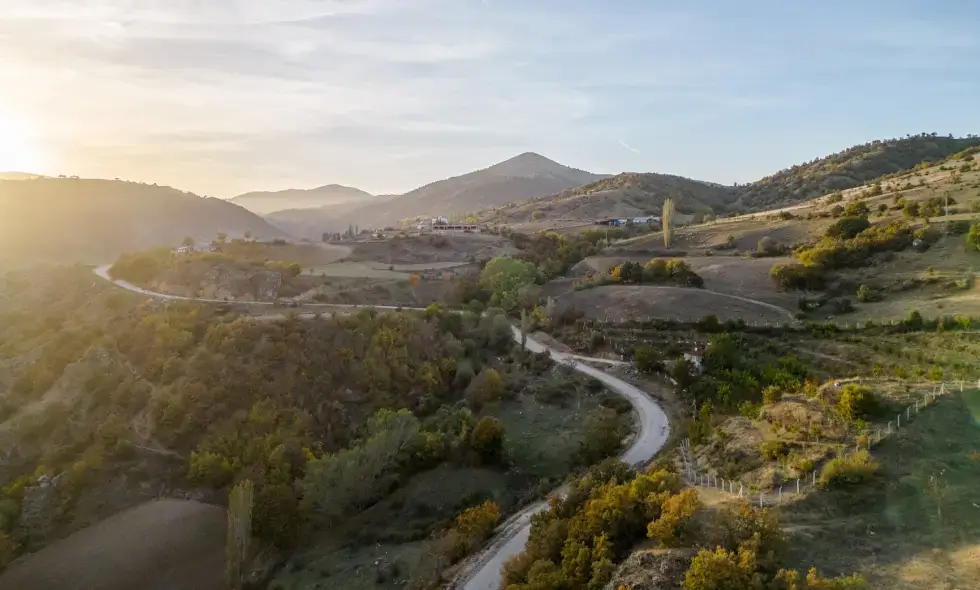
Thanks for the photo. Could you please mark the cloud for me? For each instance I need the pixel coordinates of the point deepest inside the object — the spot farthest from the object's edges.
(629, 147)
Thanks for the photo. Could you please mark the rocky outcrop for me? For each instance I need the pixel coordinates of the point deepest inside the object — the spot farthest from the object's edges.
(655, 569)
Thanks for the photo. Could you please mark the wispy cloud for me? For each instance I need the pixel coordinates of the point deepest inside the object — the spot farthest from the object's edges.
(233, 95)
(629, 147)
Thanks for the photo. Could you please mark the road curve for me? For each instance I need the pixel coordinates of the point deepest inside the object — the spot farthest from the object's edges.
(653, 430)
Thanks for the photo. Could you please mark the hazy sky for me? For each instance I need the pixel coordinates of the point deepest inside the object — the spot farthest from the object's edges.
(224, 96)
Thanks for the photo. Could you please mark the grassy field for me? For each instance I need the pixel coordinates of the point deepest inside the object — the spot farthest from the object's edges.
(917, 526)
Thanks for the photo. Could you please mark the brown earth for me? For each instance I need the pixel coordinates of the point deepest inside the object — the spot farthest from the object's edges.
(160, 545)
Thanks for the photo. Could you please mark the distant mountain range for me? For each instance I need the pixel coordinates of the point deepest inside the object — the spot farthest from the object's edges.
(332, 194)
(92, 221)
(13, 175)
(71, 219)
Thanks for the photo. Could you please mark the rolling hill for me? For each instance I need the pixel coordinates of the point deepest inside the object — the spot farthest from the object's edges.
(264, 203)
(638, 194)
(624, 195)
(92, 221)
(848, 169)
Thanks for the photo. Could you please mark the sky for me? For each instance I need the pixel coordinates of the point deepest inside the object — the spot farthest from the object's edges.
(227, 96)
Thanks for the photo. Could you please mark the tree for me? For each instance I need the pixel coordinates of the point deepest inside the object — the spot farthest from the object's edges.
(188, 241)
(911, 209)
(973, 238)
(796, 276)
(667, 221)
(504, 277)
(866, 294)
(670, 529)
(857, 402)
(723, 570)
(222, 237)
(604, 434)
(248, 234)
(488, 440)
(239, 532)
(487, 387)
(647, 360)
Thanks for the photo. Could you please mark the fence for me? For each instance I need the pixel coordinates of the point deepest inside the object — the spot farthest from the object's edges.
(808, 482)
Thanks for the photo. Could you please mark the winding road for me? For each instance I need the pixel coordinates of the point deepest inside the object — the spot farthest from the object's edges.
(484, 571)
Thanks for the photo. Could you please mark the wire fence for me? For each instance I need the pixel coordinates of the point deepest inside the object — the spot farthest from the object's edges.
(808, 482)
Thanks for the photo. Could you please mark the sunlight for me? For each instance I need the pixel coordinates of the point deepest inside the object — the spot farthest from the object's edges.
(17, 150)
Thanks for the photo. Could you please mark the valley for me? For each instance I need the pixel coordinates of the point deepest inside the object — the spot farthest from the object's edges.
(439, 409)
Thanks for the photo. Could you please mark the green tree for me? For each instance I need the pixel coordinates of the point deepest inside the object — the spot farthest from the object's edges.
(504, 277)
(856, 209)
(488, 440)
(857, 402)
(188, 241)
(222, 237)
(486, 388)
(647, 360)
(604, 434)
(723, 570)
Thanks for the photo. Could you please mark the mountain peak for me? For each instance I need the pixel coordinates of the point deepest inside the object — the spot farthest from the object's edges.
(528, 164)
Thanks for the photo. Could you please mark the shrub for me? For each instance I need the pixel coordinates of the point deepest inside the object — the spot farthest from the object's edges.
(773, 449)
(847, 228)
(789, 277)
(857, 402)
(856, 468)
(837, 210)
(488, 440)
(973, 238)
(771, 395)
(866, 294)
(857, 208)
(487, 387)
(647, 360)
(670, 529)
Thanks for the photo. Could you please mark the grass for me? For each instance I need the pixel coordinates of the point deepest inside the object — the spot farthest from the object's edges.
(917, 524)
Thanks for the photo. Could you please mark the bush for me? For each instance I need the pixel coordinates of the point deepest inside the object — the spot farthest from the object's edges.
(853, 469)
(790, 277)
(866, 294)
(857, 208)
(487, 387)
(857, 402)
(847, 228)
(647, 360)
(773, 449)
(973, 238)
(771, 395)
(488, 440)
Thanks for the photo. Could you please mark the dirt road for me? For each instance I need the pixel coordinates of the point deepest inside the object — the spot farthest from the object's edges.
(652, 432)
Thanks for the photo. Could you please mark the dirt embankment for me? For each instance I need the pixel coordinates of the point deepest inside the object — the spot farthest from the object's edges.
(160, 545)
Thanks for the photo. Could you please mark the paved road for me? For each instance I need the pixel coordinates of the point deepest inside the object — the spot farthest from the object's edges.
(653, 430)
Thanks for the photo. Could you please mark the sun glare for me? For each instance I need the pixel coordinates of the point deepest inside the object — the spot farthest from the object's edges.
(18, 151)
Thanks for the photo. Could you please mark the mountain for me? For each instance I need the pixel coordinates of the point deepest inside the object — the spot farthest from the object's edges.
(848, 169)
(629, 194)
(521, 177)
(331, 194)
(82, 220)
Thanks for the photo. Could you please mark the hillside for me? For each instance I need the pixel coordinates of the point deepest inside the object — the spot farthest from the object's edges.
(312, 222)
(624, 195)
(848, 169)
(11, 175)
(81, 220)
(525, 176)
(263, 202)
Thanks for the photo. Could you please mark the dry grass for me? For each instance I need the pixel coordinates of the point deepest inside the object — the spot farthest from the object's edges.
(620, 302)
